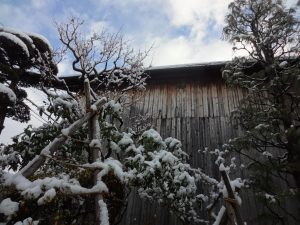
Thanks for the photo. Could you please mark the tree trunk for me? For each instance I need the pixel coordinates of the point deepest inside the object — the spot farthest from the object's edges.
(294, 156)
(3, 112)
(4, 103)
(234, 208)
(93, 152)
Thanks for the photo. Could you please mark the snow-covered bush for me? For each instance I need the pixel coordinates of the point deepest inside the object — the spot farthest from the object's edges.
(20, 54)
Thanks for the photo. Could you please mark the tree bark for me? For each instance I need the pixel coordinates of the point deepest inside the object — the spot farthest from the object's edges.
(3, 112)
(93, 151)
(294, 156)
(237, 213)
(4, 103)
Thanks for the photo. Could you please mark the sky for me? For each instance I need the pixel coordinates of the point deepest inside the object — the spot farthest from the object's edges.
(180, 31)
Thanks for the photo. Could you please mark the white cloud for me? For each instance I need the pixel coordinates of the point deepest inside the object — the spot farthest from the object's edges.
(145, 22)
(197, 13)
(32, 16)
(65, 68)
(201, 17)
(42, 4)
(183, 50)
(98, 26)
(200, 20)
(171, 51)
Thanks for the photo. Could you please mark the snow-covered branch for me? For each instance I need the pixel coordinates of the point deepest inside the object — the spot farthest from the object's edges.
(50, 149)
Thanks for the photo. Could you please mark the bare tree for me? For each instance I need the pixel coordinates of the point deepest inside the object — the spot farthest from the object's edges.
(105, 57)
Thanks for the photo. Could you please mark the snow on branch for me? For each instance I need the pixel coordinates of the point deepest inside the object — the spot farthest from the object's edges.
(39, 160)
(44, 189)
(10, 95)
(105, 56)
(103, 213)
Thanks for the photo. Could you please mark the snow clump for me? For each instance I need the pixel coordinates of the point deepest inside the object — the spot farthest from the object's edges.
(8, 207)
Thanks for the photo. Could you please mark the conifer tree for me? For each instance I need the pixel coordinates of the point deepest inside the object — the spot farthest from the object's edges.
(266, 34)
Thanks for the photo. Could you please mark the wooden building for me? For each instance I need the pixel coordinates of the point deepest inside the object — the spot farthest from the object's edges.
(193, 104)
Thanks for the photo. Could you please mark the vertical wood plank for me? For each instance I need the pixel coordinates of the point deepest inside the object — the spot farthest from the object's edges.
(156, 101)
(188, 135)
(173, 127)
(221, 100)
(169, 100)
(205, 101)
(150, 101)
(187, 100)
(174, 99)
(210, 101)
(214, 99)
(164, 100)
(160, 97)
(146, 102)
(183, 133)
(200, 102)
(231, 104)
(192, 98)
(169, 128)
(178, 128)
(225, 100)
(158, 125)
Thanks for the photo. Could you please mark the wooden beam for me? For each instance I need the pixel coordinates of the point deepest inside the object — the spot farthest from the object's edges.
(237, 213)
(52, 147)
(94, 151)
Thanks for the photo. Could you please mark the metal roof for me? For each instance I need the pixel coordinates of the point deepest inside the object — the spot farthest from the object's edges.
(186, 66)
(202, 71)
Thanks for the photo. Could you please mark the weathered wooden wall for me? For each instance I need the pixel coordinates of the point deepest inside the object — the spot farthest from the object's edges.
(193, 104)
(195, 112)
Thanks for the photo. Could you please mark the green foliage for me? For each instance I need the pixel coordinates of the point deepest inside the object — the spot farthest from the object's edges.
(30, 143)
(20, 111)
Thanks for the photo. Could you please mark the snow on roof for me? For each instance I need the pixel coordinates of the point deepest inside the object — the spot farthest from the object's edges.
(189, 65)
(166, 67)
